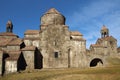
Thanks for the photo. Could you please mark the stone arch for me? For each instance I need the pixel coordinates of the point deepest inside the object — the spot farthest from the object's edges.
(96, 62)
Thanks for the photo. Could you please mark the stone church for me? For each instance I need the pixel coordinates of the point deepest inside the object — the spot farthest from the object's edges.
(53, 46)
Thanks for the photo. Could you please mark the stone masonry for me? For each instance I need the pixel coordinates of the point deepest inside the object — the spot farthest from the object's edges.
(53, 46)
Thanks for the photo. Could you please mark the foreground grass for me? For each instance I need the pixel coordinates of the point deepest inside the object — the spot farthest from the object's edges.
(108, 73)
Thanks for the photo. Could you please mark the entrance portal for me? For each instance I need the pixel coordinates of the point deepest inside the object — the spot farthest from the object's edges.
(96, 62)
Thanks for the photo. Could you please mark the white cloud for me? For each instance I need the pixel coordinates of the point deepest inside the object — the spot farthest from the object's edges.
(90, 19)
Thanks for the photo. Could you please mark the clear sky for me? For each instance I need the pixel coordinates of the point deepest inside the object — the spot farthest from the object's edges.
(85, 16)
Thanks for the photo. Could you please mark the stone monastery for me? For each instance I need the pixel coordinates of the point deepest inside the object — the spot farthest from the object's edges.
(53, 46)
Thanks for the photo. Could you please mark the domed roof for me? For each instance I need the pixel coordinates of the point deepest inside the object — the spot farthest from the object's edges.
(52, 16)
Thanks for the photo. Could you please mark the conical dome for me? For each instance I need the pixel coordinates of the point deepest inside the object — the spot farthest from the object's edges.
(52, 16)
(104, 28)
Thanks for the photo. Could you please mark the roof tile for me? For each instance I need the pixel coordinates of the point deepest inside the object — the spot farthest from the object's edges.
(5, 41)
(7, 34)
(75, 33)
(32, 32)
(14, 42)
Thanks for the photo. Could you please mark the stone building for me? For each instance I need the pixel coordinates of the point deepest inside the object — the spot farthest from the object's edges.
(53, 46)
(58, 46)
(106, 45)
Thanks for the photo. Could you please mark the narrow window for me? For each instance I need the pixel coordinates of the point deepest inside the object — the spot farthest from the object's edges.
(56, 54)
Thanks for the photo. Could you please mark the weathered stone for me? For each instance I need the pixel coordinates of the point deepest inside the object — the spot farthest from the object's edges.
(54, 46)
(1, 62)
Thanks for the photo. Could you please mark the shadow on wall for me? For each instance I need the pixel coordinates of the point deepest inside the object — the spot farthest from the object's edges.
(38, 59)
(96, 62)
(21, 64)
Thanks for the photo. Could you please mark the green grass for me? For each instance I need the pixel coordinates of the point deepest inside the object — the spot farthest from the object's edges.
(108, 73)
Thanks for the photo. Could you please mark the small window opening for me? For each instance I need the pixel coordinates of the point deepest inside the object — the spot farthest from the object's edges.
(56, 54)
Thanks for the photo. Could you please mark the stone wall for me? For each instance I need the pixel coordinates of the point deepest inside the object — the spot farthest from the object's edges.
(10, 66)
(77, 54)
(29, 58)
(13, 48)
(30, 42)
(1, 62)
(54, 46)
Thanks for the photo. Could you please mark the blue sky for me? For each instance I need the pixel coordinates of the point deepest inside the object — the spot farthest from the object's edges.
(85, 16)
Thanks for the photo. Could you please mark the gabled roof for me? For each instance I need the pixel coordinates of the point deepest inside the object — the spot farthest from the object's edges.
(7, 34)
(75, 33)
(15, 42)
(104, 28)
(5, 41)
(10, 41)
(78, 39)
(32, 32)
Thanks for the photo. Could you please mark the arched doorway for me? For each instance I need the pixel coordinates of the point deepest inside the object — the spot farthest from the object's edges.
(96, 62)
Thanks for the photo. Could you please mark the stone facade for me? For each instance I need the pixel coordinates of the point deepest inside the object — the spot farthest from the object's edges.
(53, 46)
(1, 65)
(106, 45)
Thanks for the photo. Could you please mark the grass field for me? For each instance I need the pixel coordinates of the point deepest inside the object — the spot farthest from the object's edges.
(108, 73)
(99, 73)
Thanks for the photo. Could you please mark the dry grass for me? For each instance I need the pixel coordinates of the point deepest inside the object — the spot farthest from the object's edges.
(114, 61)
(109, 73)
(100, 73)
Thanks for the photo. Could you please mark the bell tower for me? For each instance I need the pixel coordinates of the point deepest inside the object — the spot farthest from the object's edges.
(104, 32)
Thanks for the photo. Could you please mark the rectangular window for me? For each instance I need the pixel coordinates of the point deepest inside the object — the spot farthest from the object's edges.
(56, 54)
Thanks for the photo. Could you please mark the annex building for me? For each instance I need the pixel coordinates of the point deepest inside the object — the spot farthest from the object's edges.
(53, 46)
